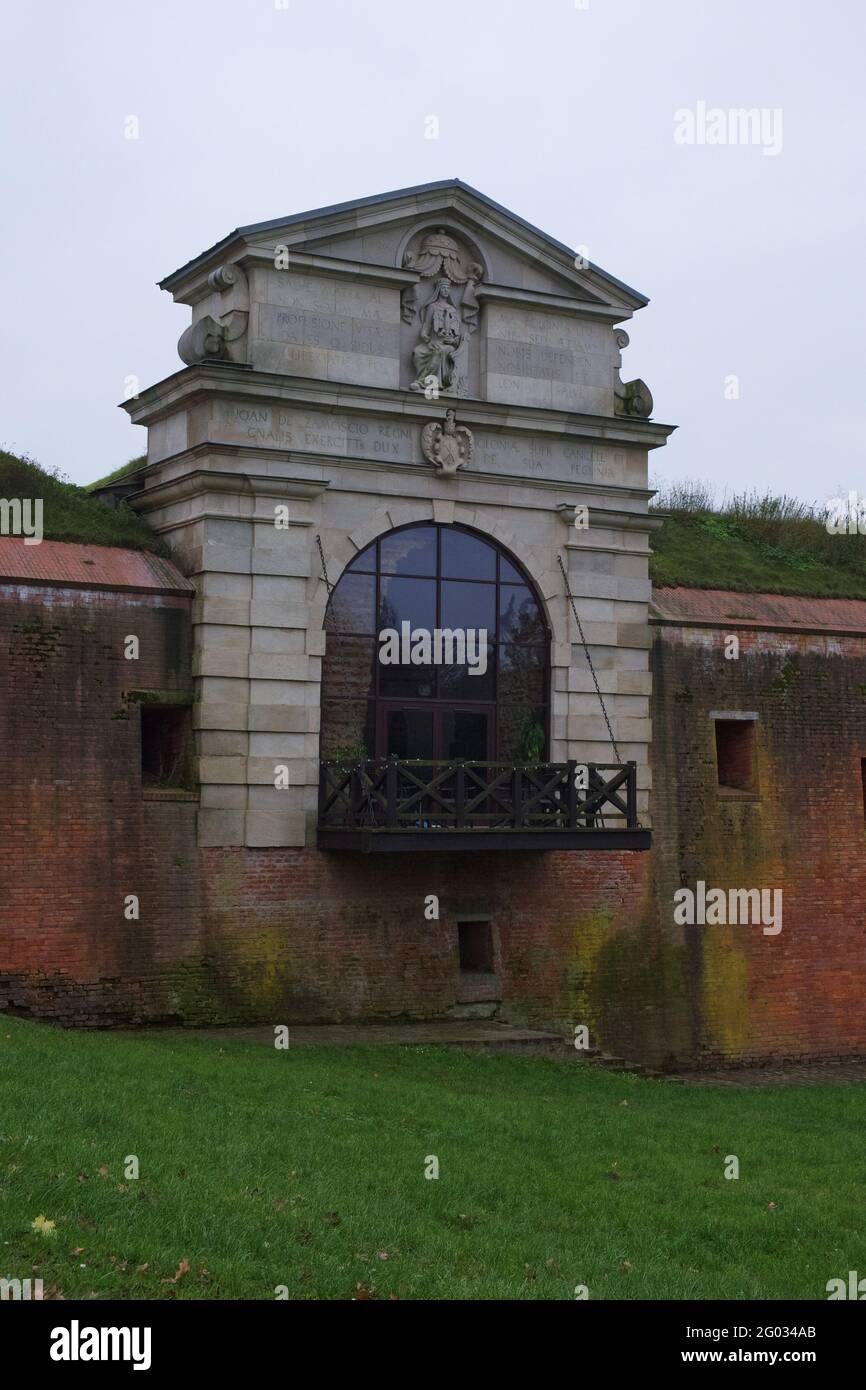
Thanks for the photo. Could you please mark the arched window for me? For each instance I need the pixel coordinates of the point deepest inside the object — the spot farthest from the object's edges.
(396, 679)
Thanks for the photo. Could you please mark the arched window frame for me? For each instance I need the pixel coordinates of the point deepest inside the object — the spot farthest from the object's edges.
(510, 739)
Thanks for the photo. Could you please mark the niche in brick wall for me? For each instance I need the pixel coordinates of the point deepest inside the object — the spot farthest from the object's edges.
(478, 984)
(735, 755)
(475, 940)
(166, 745)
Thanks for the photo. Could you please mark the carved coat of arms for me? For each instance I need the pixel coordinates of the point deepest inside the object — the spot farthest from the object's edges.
(447, 445)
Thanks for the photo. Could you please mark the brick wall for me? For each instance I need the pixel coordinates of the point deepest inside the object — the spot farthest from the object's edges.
(747, 994)
(305, 935)
(77, 835)
(289, 935)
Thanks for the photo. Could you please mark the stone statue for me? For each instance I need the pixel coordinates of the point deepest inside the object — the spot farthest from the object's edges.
(440, 255)
(449, 446)
(441, 336)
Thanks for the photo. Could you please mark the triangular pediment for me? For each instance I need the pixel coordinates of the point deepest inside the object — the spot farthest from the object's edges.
(386, 231)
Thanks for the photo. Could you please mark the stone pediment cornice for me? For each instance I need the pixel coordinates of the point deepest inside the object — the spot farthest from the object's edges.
(472, 209)
(535, 299)
(357, 272)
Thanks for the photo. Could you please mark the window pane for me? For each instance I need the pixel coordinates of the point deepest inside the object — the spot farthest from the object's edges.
(521, 733)
(522, 675)
(418, 682)
(412, 551)
(352, 606)
(348, 670)
(408, 601)
(508, 574)
(519, 616)
(409, 733)
(365, 560)
(466, 557)
(469, 605)
(466, 682)
(464, 735)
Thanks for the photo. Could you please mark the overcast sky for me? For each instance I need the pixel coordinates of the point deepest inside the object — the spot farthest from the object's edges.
(751, 254)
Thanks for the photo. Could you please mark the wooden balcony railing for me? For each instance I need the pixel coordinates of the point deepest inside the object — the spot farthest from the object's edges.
(398, 804)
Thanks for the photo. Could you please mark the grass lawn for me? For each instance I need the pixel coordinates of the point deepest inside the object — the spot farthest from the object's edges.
(305, 1168)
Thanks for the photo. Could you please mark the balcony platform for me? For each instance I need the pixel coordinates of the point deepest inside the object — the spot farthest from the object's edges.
(395, 806)
(482, 841)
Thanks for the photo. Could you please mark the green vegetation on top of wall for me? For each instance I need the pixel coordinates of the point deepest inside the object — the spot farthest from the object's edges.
(753, 543)
(119, 473)
(69, 513)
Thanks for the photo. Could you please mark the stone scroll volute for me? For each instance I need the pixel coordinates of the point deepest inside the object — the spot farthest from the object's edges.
(220, 334)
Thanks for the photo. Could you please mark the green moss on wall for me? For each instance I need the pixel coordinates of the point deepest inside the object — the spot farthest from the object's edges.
(589, 934)
(726, 993)
(640, 988)
(249, 980)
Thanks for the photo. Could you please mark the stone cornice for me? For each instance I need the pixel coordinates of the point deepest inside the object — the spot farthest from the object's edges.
(201, 480)
(193, 384)
(612, 519)
(538, 299)
(196, 286)
(204, 480)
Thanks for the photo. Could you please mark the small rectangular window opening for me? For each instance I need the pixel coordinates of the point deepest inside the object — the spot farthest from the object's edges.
(863, 780)
(476, 947)
(735, 754)
(165, 745)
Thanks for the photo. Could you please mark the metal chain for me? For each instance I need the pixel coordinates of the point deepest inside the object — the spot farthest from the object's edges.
(324, 566)
(589, 659)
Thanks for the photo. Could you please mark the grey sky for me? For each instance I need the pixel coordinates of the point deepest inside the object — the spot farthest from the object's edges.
(565, 115)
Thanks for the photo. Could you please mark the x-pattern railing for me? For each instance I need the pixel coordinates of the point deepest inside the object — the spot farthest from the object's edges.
(422, 795)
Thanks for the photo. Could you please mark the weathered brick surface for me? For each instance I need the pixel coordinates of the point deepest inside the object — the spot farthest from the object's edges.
(751, 995)
(77, 837)
(314, 936)
(291, 935)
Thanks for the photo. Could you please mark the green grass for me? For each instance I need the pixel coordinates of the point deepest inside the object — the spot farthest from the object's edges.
(69, 513)
(753, 543)
(115, 476)
(305, 1167)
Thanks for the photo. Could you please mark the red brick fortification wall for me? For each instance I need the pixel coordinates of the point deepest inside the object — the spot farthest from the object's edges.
(76, 837)
(282, 936)
(749, 995)
(307, 935)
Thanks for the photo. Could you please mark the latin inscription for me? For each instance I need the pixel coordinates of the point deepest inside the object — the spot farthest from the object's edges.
(318, 432)
(286, 429)
(529, 359)
(337, 332)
